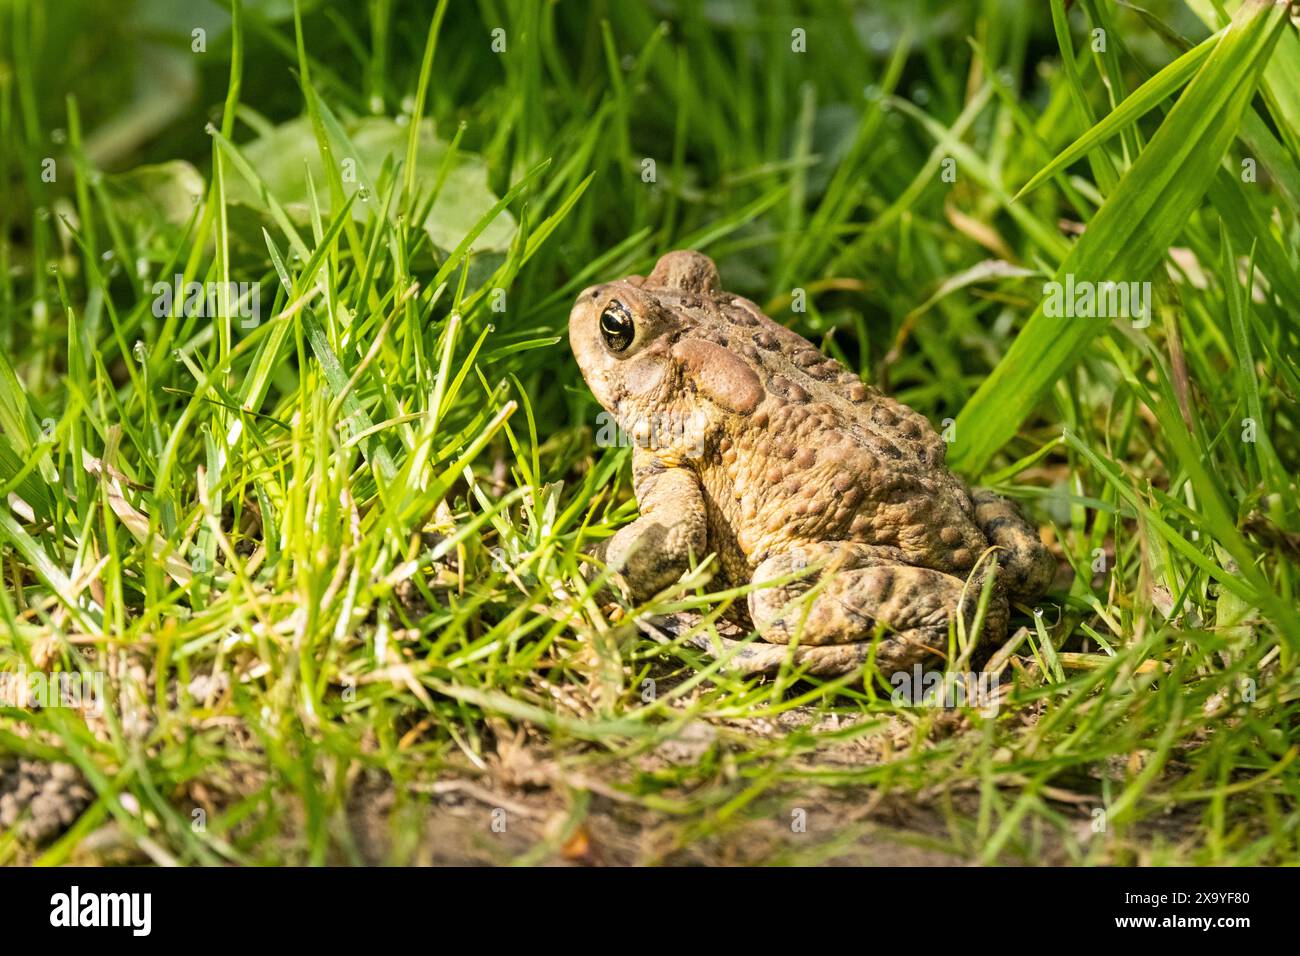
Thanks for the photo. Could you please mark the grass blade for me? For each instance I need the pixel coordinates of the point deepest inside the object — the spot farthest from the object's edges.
(1130, 232)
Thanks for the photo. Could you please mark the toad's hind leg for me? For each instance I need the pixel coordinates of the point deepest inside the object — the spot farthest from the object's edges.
(1025, 566)
(860, 589)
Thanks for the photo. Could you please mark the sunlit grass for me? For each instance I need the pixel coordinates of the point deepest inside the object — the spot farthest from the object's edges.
(340, 546)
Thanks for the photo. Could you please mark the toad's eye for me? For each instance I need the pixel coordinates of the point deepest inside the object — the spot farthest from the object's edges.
(616, 326)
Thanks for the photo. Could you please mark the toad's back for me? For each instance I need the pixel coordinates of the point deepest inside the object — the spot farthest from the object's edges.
(820, 455)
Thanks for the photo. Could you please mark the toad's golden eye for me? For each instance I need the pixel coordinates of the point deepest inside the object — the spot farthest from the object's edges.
(616, 326)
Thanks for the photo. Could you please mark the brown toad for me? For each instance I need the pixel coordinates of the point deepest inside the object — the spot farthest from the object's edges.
(753, 444)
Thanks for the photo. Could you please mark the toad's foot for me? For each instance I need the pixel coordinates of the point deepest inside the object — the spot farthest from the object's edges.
(1025, 566)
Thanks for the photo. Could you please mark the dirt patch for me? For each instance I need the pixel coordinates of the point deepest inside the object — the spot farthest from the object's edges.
(471, 824)
(40, 800)
(536, 806)
(717, 791)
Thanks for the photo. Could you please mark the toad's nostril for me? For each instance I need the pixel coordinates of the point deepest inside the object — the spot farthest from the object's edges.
(595, 293)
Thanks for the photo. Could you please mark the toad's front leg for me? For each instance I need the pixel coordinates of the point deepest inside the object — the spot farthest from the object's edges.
(655, 549)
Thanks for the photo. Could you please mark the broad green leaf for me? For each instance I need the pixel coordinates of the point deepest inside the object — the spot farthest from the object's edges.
(1281, 80)
(1144, 99)
(285, 157)
(156, 205)
(1129, 234)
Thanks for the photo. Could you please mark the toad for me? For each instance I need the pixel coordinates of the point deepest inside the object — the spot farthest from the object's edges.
(831, 498)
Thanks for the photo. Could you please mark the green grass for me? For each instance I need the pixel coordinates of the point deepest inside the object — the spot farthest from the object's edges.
(365, 511)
